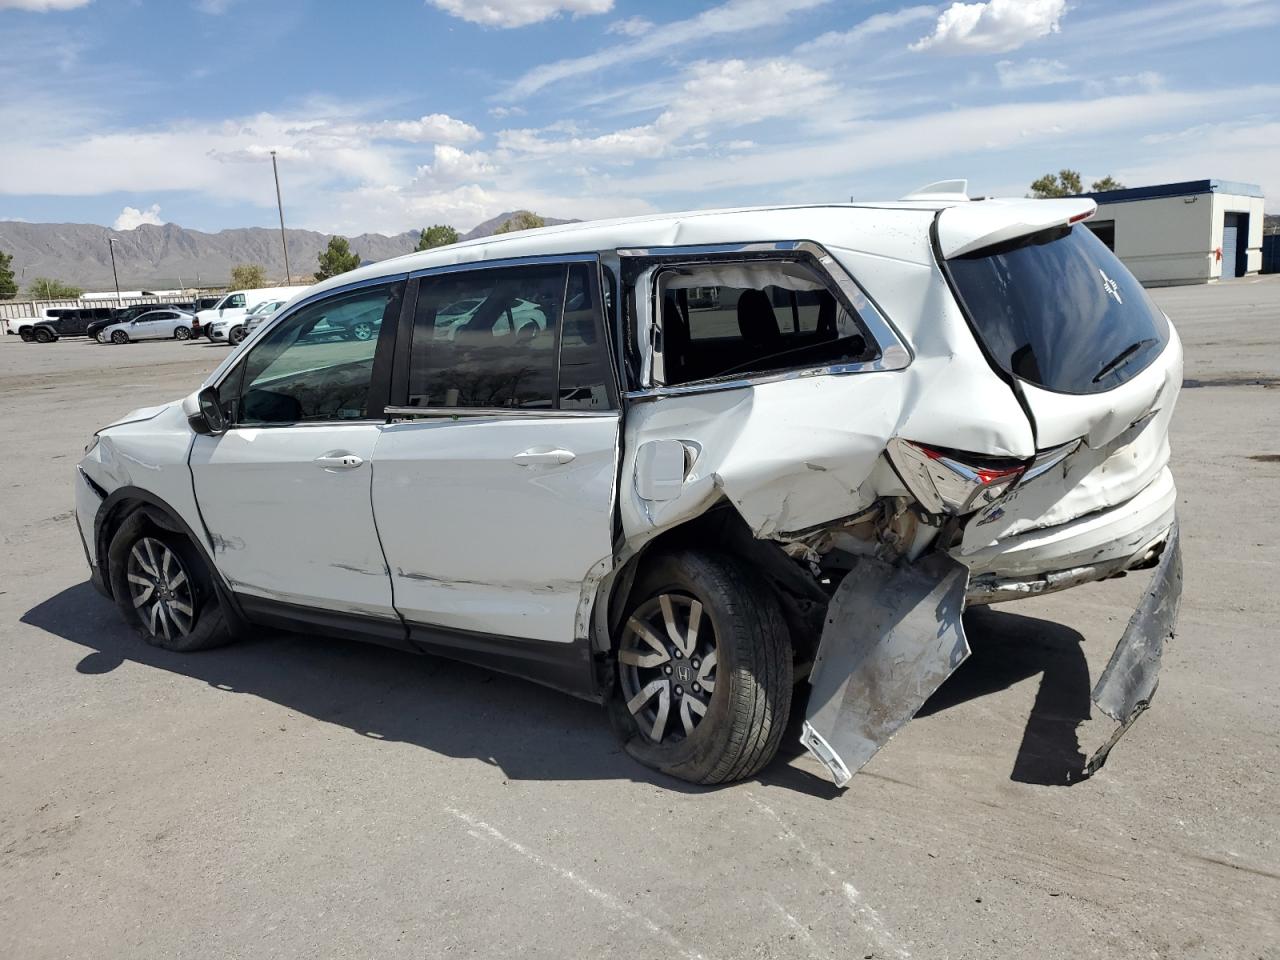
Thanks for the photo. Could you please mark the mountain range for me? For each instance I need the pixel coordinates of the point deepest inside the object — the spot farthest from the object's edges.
(168, 256)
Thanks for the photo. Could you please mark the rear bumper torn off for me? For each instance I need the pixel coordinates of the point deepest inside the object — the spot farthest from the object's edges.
(894, 634)
(1129, 681)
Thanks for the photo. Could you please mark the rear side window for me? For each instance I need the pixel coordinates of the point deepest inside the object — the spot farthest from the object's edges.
(721, 319)
(519, 337)
(1059, 310)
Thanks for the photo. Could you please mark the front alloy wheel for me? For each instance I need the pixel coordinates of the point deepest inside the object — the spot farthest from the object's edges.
(119, 336)
(667, 660)
(236, 335)
(362, 330)
(160, 590)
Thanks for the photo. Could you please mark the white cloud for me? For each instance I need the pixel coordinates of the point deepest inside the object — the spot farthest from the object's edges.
(733, 16)
(877, 24)
(1031, 73)
(433, 128)
(42, 6)
(715, 95)
(630, 27)
(938, 139)
(131, 217)
(994, 26)
(1148, 81)
(451, 166)
(518, 13)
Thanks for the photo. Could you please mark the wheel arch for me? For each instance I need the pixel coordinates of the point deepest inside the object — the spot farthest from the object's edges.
(722, 528)
(130, 502)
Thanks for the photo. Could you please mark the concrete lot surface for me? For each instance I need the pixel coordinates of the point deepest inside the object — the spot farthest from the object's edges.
(300, 797)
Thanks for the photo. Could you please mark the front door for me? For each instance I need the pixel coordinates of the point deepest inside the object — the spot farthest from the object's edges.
(494, 493)
(285, 491)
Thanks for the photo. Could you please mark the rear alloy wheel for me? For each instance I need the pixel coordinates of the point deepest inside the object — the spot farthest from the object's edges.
(182, 333)
(43, 336)
(236, 335)
(162, 586)
(704, 669)
(119, 336)
(362, 330)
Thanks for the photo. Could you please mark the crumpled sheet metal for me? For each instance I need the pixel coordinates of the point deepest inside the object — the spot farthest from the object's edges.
(1129, 682)
(893, 635)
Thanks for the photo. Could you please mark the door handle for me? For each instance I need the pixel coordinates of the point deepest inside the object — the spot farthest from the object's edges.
(536, 455)
(338, 461)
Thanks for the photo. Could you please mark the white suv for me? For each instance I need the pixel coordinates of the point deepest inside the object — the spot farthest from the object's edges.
(746, 449)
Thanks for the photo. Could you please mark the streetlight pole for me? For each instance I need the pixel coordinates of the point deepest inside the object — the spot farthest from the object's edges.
(280, 207)
(111, 242)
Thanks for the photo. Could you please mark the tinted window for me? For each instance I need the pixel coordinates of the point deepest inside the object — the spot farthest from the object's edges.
(1059, 310)
(721, 319)
(487, 338)
(309, 368)
(584, 359)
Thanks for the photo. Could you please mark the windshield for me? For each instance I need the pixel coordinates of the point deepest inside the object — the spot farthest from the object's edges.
(1059, 310)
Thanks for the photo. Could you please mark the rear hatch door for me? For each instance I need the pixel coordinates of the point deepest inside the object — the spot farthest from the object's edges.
(1089, 355)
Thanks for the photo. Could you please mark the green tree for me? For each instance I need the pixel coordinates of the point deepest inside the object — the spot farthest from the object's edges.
(437, 235)
(1064, 183)
(8, 286)
(1106, 183)
(248, 276)
(338, 258)
(43, 288)
(521, 220)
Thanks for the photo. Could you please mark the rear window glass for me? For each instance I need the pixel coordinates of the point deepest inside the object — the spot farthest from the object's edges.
(1058, 310)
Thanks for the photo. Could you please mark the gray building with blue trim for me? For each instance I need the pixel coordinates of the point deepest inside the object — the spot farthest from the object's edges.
(1192, 232)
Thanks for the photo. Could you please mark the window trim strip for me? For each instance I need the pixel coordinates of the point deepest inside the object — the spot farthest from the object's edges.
(470, 413)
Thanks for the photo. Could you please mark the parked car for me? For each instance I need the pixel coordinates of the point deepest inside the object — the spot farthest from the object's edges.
(234, 331)
(58, 322)
(260, 315)
(153, 325)
(876, 415)
(235, 304)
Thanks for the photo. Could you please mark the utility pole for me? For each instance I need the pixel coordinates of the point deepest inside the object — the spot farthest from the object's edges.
(280, 206)
(111, 241)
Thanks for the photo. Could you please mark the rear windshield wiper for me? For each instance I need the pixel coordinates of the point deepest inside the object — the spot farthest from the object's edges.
(1122, 356)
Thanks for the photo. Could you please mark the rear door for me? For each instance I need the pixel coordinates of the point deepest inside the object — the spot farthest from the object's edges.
(285, 491)
(493, 486)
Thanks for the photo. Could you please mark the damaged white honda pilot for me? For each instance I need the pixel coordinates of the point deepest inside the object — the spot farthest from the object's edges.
(677, 465)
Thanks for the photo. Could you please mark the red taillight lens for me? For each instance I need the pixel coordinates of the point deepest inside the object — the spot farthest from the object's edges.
(952, 481)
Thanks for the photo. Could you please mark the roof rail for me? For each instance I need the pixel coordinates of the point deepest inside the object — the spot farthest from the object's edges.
(942, 190)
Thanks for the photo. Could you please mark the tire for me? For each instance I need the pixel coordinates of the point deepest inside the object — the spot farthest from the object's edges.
(750, 684)
(181, 333)
(236, 335)
(44, 336)
(26, 336)
(137, 553)
(361, 331)
(119, 336)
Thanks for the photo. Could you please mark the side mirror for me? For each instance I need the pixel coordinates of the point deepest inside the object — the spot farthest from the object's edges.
(210, 419)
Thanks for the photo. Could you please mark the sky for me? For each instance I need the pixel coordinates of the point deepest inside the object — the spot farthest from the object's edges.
(391, 115)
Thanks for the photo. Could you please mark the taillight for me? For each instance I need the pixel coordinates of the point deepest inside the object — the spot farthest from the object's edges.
(952, 481)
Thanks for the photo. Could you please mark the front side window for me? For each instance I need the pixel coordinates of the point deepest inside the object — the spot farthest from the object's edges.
(721, 319)
(310, 368)
(235, 300)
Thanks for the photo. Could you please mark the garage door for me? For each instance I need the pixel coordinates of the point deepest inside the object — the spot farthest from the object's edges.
(1231, 240)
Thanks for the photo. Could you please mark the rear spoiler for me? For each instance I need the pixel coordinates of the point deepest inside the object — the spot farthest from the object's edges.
(971, 226)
